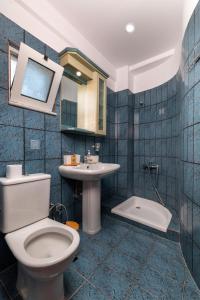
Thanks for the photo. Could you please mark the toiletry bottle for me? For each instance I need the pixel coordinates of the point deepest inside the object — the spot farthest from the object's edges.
(73, 160)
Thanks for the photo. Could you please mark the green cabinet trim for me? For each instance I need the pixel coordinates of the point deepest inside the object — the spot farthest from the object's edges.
(84, 57)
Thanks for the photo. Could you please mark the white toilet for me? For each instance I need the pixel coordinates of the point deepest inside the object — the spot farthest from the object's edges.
(43, 247)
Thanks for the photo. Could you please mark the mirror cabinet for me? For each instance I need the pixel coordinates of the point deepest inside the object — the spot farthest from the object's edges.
(83, 94)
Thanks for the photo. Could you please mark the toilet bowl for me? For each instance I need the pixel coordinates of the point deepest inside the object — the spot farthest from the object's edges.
(43, 247)
(43, 250)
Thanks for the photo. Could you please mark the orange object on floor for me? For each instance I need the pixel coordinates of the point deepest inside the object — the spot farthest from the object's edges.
(73, 224)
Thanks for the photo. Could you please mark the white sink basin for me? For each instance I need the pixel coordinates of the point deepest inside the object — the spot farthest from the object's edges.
(89, 172)
(91, 175)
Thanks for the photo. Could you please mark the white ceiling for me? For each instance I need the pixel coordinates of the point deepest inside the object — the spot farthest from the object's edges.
(158, 26)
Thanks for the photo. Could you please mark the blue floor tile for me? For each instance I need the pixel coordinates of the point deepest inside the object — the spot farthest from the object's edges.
(136, 246)
(191, 290)
(114, 285)
(167, 264)
(85, 265)
(121, 262)
(124, 264)
(95, 249)
(72, 281)
(140, 294)
(88, 292)
(110, 233)
(185, 289)
(152, 281)
(164, 246)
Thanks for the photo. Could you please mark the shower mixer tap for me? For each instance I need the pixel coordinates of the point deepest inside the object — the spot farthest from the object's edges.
(151, 166)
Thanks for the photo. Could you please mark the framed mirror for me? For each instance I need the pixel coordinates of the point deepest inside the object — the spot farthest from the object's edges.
(69, 98)
(72, 110)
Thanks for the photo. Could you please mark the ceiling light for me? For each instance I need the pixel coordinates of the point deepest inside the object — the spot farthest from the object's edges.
(78, 73)
(130, 27)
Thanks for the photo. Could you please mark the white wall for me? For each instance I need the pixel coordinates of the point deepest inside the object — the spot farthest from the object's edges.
(160, 74)
(189, 7)
(50, 27)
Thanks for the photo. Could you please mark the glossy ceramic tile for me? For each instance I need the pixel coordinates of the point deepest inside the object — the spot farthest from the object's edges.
(53, 144)
(12, 143)
(38, 152)
(19, 126)
(34, 166)
(9, 115)
(33, 42)
(190, 143)
(9, 30)
(51, 167)
(33, 119)
(121, 262)
(4, 66)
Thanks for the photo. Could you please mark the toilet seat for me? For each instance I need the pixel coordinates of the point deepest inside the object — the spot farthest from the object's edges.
(42, 235)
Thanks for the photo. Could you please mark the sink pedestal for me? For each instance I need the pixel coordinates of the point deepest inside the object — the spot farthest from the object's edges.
(91, 175)
(91, 213)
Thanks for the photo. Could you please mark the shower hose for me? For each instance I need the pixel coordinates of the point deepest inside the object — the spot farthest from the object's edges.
(151, 167)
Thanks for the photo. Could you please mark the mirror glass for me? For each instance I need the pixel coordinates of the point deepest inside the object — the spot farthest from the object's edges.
(101, 103)
(69, 96)
(75, 111)
(83, 105)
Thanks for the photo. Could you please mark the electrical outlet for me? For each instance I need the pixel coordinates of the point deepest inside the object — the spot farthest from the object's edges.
(35, 144)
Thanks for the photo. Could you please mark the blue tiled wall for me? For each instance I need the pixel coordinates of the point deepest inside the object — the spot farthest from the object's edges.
(124, 143)
(189, 94)
(145, 127)
(156, 139)
(160, 125)
(119, 186)
(166, 131)
(18, 126)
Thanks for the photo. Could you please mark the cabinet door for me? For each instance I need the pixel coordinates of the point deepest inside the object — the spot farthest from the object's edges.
(101, 101)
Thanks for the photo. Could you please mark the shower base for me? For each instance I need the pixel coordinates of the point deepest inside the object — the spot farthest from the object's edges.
(144, 211)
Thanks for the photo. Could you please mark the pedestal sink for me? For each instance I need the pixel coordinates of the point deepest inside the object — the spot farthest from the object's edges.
(91, 175)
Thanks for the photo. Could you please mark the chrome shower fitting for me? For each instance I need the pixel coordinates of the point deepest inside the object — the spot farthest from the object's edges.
(150, 167)
(96, 147)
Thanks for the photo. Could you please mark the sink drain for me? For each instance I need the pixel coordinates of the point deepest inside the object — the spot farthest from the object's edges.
(138, 207)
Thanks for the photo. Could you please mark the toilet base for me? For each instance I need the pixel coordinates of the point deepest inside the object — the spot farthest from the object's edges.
(31, 288)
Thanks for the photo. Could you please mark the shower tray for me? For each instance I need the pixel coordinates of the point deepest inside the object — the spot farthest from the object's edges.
(144, 211)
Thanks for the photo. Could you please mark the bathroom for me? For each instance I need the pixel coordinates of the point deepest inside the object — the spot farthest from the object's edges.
(100, 198)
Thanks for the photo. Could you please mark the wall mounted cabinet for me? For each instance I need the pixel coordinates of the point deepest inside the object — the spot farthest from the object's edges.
(83, 94)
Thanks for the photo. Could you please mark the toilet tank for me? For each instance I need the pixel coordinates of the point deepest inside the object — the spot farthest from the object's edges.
(23, 201)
